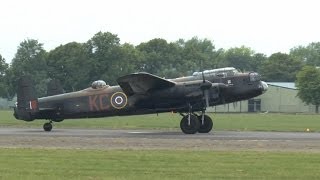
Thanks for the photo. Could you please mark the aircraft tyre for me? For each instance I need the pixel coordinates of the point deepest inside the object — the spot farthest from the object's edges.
(47, 126)
(207, 124)
(191, 128)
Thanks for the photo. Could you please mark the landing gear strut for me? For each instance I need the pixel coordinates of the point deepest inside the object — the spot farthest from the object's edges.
(191, 123)
(47, 126)
(206, 123)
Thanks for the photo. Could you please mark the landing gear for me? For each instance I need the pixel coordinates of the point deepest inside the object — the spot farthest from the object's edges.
(47, 126)
(206, 123)
(193, 123)
(189, 124)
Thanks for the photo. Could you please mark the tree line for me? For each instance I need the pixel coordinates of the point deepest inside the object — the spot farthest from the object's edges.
(76, 65)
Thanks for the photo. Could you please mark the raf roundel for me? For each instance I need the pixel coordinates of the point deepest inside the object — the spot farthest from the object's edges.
(119, 100)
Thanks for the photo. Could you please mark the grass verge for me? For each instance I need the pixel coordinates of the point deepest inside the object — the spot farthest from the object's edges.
(131, 164)
(238, 122)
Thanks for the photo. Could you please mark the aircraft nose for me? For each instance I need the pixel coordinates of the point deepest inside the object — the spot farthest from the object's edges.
(264, 86)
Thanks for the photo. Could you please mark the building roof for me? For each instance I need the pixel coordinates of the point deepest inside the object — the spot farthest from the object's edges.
(288, 85)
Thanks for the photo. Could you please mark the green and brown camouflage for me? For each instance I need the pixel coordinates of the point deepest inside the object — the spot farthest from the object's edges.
(141, 93)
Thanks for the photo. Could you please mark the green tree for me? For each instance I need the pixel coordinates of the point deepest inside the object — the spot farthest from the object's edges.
(198, 54)
(241, 58)
(257, 61)
(104, 52)
(3, 85)
(30, 59)
(69, 64)
(130, 60)
(160, 57)
(310, 54)
(281, 67)
(308, 83)
(77, 65)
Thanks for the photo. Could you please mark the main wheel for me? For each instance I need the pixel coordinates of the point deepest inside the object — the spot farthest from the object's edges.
(192, 127)
(207, 124)
(47, 126)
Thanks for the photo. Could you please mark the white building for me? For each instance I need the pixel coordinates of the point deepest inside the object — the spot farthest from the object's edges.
(280, 97)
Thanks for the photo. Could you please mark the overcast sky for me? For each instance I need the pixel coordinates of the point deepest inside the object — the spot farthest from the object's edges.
(266, 26)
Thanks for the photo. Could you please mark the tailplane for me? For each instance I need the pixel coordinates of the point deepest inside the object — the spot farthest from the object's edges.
(27, 101)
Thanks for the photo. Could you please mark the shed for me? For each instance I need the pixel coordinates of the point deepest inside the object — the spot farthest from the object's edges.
(280, 97)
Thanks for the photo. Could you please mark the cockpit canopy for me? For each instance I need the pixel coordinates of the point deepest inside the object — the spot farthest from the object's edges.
(220, 72)
(98, 84)
(254, 76)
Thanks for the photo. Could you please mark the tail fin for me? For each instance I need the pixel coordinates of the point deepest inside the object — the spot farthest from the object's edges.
(27, 105)
(54, 87)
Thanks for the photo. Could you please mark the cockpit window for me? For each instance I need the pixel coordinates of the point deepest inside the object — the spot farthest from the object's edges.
(221, 75)
(220, 72)
(98, 84)
(254, 77)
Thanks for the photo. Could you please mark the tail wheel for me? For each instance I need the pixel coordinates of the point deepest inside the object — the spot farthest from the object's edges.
(189, 124)
(206, 125)
(47, 127)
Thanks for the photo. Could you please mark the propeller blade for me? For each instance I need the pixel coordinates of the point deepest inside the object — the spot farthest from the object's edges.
(205, 86)
(203, 77)
(206, 96)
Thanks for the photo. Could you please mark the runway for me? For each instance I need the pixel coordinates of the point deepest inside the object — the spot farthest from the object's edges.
(159, 139)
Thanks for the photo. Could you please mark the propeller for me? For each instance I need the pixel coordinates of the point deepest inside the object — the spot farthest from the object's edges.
(205, 86)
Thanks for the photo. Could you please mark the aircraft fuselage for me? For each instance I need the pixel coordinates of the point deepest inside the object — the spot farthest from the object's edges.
(112, 101)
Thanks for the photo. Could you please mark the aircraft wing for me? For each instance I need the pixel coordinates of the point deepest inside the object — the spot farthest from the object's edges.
(142, 83)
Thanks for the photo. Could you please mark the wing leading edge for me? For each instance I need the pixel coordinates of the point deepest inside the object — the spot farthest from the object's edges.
(142, 83)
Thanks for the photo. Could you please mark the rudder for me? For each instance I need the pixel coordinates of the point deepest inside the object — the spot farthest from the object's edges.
(27, 101)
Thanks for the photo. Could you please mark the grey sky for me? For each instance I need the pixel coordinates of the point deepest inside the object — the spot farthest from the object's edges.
(267, 26)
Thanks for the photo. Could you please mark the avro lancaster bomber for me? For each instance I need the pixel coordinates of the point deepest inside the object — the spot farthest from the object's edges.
(141, 93)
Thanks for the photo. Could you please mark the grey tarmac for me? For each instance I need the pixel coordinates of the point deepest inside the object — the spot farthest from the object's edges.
(159, 139)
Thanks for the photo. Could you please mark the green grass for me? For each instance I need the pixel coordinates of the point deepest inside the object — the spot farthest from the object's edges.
(238, 122)
(132, 164)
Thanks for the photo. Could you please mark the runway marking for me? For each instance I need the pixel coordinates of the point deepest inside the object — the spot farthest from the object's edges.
(138, 132)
